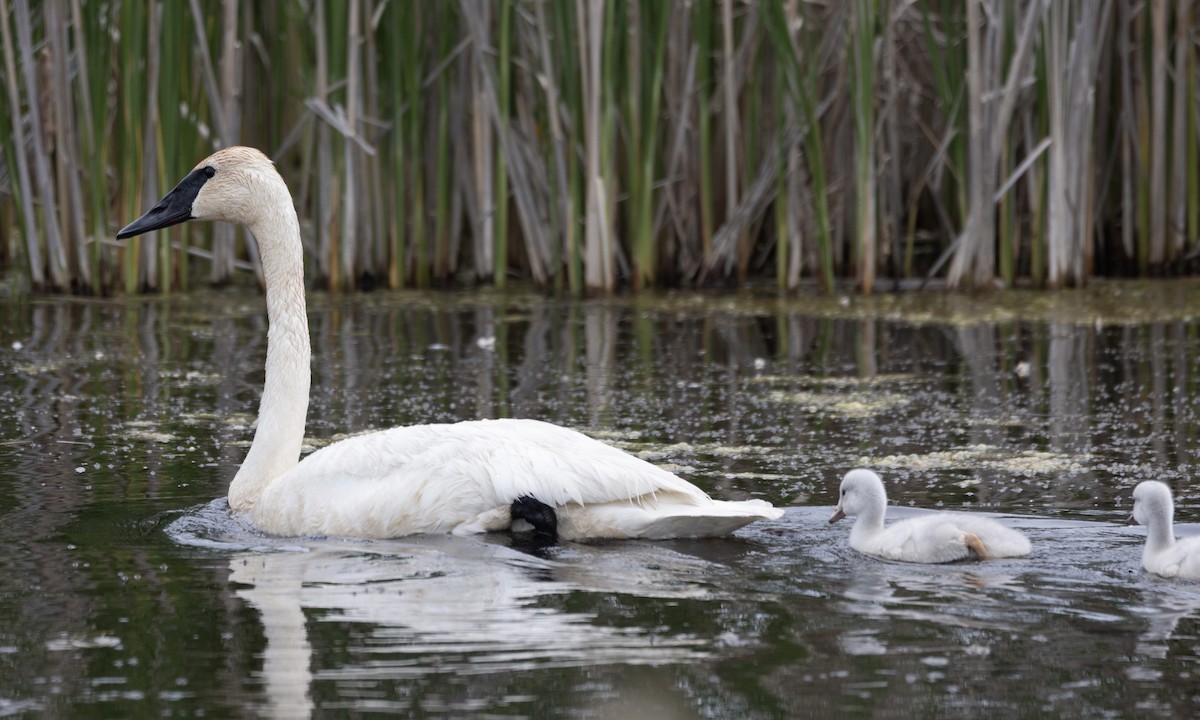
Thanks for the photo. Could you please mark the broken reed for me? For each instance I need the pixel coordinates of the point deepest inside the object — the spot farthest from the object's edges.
(587, 145)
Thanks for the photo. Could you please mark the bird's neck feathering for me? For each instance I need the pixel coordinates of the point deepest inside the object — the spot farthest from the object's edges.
(1160, 534)
(281, 415)
(870, 519)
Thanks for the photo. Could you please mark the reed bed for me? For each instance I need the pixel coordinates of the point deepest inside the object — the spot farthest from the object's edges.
(595, 145)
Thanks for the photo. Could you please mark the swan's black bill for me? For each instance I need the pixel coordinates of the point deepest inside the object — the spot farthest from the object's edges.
(174, 208)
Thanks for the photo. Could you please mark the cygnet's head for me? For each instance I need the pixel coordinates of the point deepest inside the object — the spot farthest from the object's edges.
(1151, 499)
(861, 490)
(235, 184)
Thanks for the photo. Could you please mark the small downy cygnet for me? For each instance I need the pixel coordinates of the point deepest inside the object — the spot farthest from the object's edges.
(1164, 555)
(935, 538)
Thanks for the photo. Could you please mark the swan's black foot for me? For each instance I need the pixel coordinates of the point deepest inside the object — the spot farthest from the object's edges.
(538, 514)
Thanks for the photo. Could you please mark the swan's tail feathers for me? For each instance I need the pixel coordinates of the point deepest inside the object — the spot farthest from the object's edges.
(661, 518)
(1004, 542)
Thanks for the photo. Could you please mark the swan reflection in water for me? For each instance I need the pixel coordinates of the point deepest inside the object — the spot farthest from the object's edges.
(464, 606)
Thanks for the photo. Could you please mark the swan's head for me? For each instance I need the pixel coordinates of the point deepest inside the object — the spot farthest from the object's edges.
(1151, 499)
(861, 491)
(235, 185)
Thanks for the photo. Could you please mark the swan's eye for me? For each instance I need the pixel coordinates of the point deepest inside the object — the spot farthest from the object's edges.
(210, 171)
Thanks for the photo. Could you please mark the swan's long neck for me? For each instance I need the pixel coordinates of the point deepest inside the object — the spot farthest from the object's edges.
(1160, 533)
(870, 521)
(281, 414)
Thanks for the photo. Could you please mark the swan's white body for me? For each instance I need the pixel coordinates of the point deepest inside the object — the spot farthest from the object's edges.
(939, 537)
(1163, 554)
(463, 477)
(459, 478)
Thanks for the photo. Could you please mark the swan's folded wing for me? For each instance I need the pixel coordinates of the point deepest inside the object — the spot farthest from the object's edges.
(557, 466)
(491, 462)
(929, 539)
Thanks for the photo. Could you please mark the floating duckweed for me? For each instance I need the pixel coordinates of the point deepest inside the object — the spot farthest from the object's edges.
(237, 419)
(150, 436)
(852, 406)
(192, 378)
(614, 434)
(648, 451)
(756, 476)
(39, 368)
(984, 457)
(835, 381)
(200, 418)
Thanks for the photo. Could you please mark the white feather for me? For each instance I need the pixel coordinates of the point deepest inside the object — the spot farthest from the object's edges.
(1163, 554)
(459, 477)
(935, 538)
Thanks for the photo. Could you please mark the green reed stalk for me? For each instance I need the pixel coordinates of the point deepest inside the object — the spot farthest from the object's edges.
(504, 104)
(729, 110)
(397, 71)
(702, 23)
(323, 195)
(353, 186)
(1144, 234)
(629, 20)
(655, 18)
(131, 23)
(750, 153)
(782, 239)
(1038, 123)
(862, 85)
(948, 63)
(1191, 158)
(1156, 140)
(92, 52)
(174, 58)
(609, 112)
(67, 147)
(416, 115)
(336, 26)
(151, 160)
(1006, 212)
(567, 59)
(230, 65)
(1006, 215)
(803, 80)
(442, 160)
(597, 60)
(561, 212)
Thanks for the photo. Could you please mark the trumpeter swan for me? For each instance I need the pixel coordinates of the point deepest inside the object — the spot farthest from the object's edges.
(465, 477)
(1163, 555)
(935, 538)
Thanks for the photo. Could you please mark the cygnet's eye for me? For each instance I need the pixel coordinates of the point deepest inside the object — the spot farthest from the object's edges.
(210, 171)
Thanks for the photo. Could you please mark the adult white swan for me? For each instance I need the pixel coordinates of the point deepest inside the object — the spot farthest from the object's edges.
(934, 538)
(1163, 555)
(464, 477)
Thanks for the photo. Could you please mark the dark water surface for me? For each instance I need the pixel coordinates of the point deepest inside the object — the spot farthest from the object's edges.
(127, 590)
